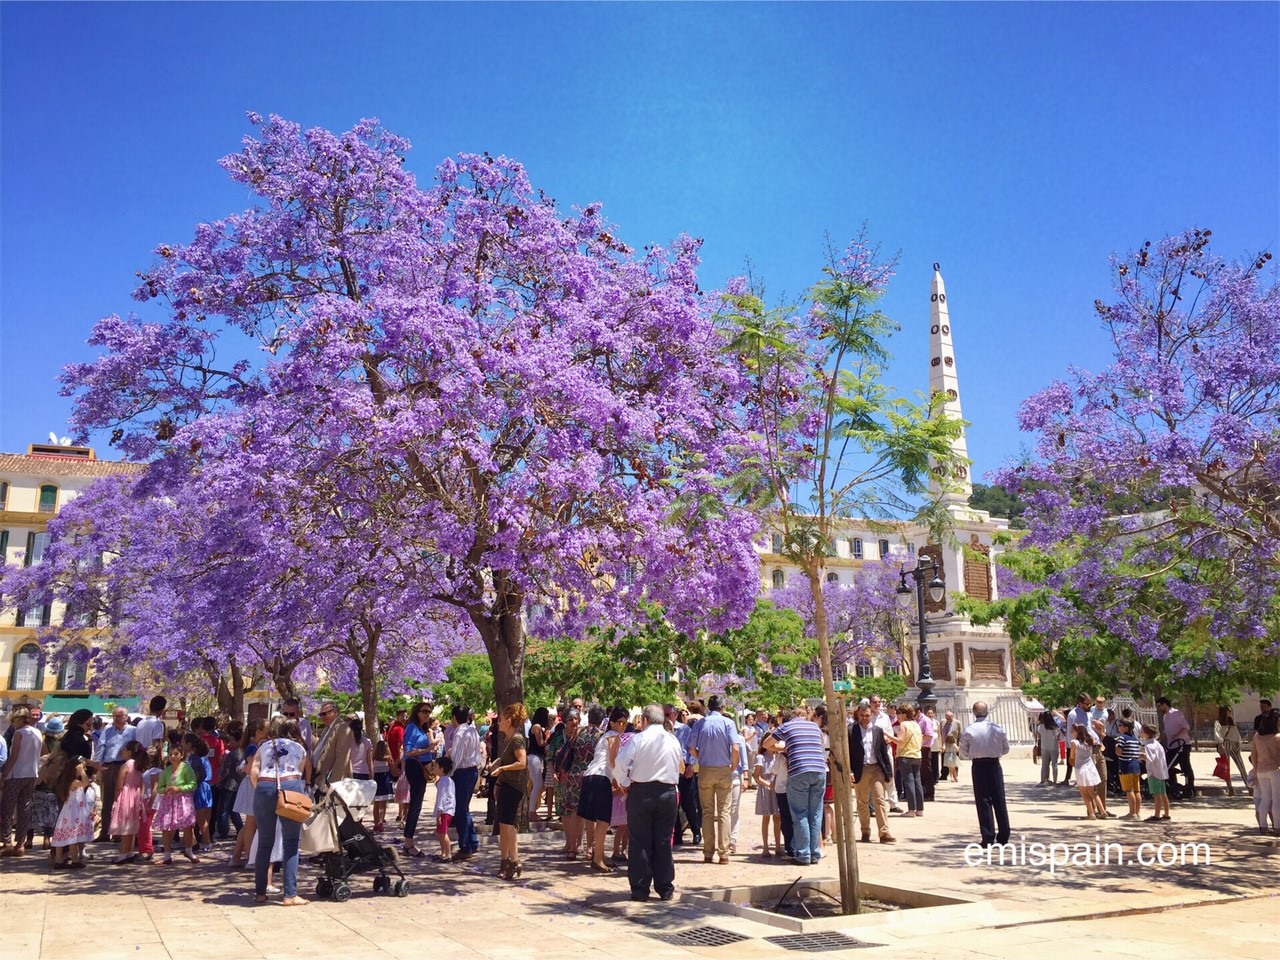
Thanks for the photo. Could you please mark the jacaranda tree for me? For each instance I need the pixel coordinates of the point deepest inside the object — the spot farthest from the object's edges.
(481, 400)
(1154, 489)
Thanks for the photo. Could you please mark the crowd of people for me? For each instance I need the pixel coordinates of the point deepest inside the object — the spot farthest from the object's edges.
(656, 778)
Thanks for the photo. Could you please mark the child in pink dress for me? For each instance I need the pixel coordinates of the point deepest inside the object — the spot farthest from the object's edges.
(126, 814)
(177, 809)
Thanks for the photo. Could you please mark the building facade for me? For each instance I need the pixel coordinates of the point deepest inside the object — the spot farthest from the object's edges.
(34, 487)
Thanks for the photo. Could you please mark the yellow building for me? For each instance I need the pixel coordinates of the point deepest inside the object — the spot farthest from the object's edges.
(33, 487)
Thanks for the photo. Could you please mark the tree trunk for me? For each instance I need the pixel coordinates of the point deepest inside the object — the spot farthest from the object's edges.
(837, 731)
(502, 631)
(369, 679)
(282, 677)
(235, 705)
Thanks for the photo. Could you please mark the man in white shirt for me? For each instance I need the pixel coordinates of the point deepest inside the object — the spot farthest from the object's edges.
(464, 751)
(648, 768)
(152, 729)
(880, 717)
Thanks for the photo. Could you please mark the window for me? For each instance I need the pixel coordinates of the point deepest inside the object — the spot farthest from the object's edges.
(28, 669)
(840, 671)
(833, 577)
(884, 549)
(890, 669)
(37, 543)
(48, 498)
(832, 551)
(777, 543)
(35, 617)
(855, 548)
(863, 668)
(911, 549)
(73, 675)
(4, 495)
(779, 580)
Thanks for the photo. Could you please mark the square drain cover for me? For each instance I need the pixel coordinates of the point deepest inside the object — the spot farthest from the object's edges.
(816, 942)
(700, 937)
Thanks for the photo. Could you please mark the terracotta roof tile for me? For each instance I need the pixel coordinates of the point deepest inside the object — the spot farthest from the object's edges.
(22, 463)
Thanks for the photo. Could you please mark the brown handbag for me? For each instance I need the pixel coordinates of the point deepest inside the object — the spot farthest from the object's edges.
(291, 804)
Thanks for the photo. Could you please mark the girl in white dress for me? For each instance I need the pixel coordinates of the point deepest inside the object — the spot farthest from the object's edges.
(1087, 777)
(254, 733)
(75, 821)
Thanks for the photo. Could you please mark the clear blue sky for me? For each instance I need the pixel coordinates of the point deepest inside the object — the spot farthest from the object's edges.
(1018, 144)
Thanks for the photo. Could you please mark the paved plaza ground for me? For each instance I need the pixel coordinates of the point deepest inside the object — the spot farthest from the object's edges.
(1227, 908)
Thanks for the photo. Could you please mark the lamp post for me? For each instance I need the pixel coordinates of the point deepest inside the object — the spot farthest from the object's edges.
(918, 576)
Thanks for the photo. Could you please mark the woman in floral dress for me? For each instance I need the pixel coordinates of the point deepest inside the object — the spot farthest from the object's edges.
(584, 736)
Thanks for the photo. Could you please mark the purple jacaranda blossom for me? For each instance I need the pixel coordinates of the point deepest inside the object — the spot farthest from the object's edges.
(446, 403)
(1153, 483)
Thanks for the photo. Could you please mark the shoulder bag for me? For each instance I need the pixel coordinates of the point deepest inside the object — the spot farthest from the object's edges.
(290, 804)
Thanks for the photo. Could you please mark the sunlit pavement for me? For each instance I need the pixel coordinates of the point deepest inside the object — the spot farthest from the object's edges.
(560, 909)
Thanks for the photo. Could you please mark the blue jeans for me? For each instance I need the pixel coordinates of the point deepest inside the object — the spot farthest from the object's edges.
(911, 781)
(804, 796)
(464, 788)
(264, 812)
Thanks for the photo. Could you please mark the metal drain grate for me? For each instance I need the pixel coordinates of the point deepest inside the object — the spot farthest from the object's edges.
(816, 942)
(700, 937)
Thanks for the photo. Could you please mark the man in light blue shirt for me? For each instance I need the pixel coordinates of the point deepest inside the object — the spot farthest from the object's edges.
(110, 755)
(714, 745)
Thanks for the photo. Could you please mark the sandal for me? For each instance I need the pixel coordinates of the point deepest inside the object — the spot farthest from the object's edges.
(294, 902)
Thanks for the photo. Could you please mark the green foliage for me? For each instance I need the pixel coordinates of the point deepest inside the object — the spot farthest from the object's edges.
(998, 502)
(468, 680)
(888, 688)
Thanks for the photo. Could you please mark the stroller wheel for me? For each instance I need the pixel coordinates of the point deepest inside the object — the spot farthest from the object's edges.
(324, 888)
(400, 888)
(341, 892)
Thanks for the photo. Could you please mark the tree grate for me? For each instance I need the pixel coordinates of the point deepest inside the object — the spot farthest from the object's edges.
(816, 942)
(700, 937)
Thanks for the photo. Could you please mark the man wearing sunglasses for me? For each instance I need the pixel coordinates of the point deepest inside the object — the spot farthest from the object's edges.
(331, 759)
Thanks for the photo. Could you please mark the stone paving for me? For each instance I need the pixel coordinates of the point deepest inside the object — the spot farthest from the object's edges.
(561, 909)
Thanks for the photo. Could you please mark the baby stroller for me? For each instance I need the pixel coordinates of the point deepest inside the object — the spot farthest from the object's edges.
(345, 846)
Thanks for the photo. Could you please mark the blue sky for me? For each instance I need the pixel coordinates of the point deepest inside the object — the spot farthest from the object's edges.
(1017, 144)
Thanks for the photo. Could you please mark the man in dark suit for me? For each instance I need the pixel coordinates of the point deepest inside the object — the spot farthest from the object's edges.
(872, 773)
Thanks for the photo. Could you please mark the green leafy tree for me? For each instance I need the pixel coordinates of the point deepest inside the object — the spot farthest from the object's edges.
(838, 442)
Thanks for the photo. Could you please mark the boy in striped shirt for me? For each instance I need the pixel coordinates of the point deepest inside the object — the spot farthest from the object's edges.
(1129, 753)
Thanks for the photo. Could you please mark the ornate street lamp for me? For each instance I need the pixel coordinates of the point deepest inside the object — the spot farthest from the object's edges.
(919, 576)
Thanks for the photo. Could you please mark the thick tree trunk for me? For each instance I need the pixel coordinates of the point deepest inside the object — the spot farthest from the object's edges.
(368, 678)
(837, 731)
(502, 630)
(234, 707)
(282, 677)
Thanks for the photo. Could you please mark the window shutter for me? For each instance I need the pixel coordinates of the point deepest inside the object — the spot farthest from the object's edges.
(46, 615)
(31, 547)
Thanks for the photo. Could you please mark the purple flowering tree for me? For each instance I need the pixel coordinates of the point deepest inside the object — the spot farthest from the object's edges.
(434, 403)
(1153, 489)
(863, 618)
(838, 442)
